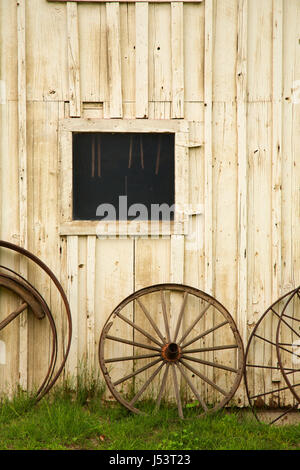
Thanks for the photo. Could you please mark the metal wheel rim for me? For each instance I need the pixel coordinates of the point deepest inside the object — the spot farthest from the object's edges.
(50, 378)
(47, 313)
(184, 289)
(255, 409)
(279, 348)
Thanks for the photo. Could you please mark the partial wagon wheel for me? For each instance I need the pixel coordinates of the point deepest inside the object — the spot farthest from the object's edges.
(34, 302)
(171, 342)
(288, 344)
(271, 396)
(31, 299)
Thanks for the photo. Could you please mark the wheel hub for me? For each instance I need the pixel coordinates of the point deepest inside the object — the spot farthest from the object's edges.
(171, 352)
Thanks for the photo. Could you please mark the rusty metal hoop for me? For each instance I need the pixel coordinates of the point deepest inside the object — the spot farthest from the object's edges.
(289, 360)
(265, 395)
(33, 299)
(168, 351)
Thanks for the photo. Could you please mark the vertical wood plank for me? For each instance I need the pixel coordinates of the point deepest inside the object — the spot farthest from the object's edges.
(277, 88)
(182, 176)
(9, 229)
(73, 59)
(225, 47)
(65, 167)
(177, 259)
(277, 145)
(72, 292)
(152, 266)
(141, 47)
(114, 280)
(259, 26)
(291, 70)
(47, 51)
(259, 227)
(23, 352)
(90, 300)
(241, 86)
(225, 228)
(91, 51)
(208, 205)
(177, 60)
(128, 58)
(176, 276)
(160, 60)
(42, 153)
(114, 59)
(194, 21)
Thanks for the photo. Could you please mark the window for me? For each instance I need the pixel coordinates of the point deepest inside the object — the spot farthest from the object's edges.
(103, 160)
(124, 170)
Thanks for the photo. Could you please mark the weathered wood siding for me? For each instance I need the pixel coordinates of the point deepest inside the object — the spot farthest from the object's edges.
(228, 67)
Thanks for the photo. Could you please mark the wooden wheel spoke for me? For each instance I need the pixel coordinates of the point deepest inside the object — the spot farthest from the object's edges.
(177, 394)
(208, 363)
(205, 379)
(147, 314)
(132, 343)
(129, 376)
(130, 358)
(180, 316)
(162, 387)
(205, 333)
(187, 332)
(13, 315)
(164, 308)
(212, 348)
(146, 384)
(191, 385)
(138, 328)
(165, 345)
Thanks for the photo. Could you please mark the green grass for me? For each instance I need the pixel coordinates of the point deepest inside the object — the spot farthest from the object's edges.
(82, 420)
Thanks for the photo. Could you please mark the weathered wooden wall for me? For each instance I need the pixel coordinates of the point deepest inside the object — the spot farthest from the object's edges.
(230, 68)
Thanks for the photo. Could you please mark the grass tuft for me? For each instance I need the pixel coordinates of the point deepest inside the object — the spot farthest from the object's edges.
(76, 416)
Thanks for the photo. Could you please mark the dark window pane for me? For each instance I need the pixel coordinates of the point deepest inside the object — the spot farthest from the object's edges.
(109, 165)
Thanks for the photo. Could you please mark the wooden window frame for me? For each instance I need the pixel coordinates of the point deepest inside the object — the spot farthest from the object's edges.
(178, 226)
(129, 1)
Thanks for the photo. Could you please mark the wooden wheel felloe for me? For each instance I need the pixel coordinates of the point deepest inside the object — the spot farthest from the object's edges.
(171, 342)
(273, 397)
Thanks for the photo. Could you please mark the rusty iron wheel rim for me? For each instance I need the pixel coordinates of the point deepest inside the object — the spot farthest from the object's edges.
(283, 347)
(158, 346)
(51, 375)
(255, 399)
(14, 284)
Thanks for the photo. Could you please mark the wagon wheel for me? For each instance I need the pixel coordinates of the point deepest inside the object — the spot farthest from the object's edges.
(270, 396)
(288, 343)
(171, 341)
(32, 300)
